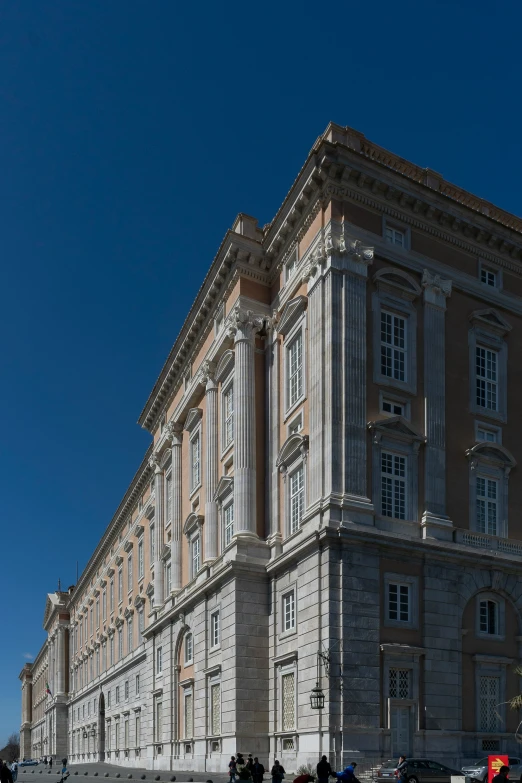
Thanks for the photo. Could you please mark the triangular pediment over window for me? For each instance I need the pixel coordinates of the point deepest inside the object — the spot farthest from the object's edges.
(225, 486)
(192, 522)
(492, 453)
(193, 417)
(292, 311)
(491, 319)
(397, 427)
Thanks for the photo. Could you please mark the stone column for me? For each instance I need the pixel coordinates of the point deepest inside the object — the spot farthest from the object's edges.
(316, 336)
(159, 522)
(273, 413)
(60, 660)
(176, 434)
(244, 325)
(210, 530)
(435, 523)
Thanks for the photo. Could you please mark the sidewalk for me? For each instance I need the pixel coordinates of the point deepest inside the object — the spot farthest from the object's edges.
(113, 772)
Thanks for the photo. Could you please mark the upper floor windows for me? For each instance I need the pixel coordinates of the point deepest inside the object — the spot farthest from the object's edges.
(195, 555)
(297, 498)
(488, 364)
(228, 414)
(395, 236)
(400, 600)
(489, 275)
(294, 370)
(189, 649)
(488, 617)
(290, 265)
(289, 611)
(393, 346)
(489, 468)
(159, 660)
(487, 505)
(141, 559)
(228, 523)
(291, 462)
(168, 499)
(129, 573)
(486, 378)
(215, 631)
(393, 485)
(488, 434)
(219, 320)
(195, 461)
(120, 585)
(152, 545)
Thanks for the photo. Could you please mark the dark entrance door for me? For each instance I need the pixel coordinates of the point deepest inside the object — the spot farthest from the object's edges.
(101, 729)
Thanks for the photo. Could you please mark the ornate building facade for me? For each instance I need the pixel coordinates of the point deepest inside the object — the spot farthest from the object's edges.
(330, 499)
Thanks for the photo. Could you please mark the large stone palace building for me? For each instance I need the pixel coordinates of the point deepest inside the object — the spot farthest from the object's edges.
(330, 500)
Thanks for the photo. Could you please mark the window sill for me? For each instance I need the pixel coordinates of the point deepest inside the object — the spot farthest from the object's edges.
(491, 637)
(195, 490)
(408, 626)
(489, 414)
(226, 449)
(392, 383)
(293, 408)
(287, 634)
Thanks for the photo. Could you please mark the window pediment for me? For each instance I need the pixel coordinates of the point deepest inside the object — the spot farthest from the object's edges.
(225, 487)
(119, 560)
(193, 418)
(398, 282)
(138, 601)
(294, 447)
(165, 552)
(291, 313)
(150, 589)
(225, 365)
(493, 454)
(128, 546)
(192, 522)
(396, 427)
(128, 613)
(492, 320)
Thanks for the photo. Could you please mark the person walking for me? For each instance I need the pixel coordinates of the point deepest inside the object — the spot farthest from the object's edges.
(324, 770)
(402, 769)
(232, 769)
(502, 775)
(6, 775)
(258, 771)
(277, 772)
(45, 760)
(50, 763)
(14, 771)
(65, 771)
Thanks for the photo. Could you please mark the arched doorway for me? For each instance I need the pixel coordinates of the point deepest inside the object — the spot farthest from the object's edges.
(101, 729)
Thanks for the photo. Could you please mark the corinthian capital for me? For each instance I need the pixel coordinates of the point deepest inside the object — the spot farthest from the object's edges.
(207, 373)
(154, 463)
(436, 284)
(174, 431)
(362, 253)
(244, 324)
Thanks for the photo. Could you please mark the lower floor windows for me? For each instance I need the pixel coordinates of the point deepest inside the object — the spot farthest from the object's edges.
(215, 705)
(189, 716)
(399, 683)
(296, 499)
(489, 697)
(487, 499)
(393, 485)
(159, 721)
(288, 701)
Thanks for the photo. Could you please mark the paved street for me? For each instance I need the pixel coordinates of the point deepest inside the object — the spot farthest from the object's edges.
(112, 771)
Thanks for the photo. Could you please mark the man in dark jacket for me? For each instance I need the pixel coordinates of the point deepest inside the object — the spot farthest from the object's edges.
(5, 773)
(502, 775)
(324, 770)
(257, 771)
(402, 769)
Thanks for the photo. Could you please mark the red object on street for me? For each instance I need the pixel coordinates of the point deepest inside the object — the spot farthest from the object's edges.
(494, 764)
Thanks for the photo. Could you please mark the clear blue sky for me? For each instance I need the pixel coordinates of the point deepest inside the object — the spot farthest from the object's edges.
(131, 134)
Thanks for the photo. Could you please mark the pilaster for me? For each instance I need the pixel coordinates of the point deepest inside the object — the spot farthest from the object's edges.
(210, 530)
(435, 522)
(159, 522)
(176, 434)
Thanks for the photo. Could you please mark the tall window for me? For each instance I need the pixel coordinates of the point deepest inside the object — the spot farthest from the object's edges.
(168, 498)
(141, 564)
(295, 370)
(393, 346)
(117, 695)
(399, 602)
(395, 237)
(296, 498)
(288, 701)
(488, 616)
(111, 650)
(196, 556)
(138, 731)
(214, 629)
(91, 614)
(159, 721)
(215, 703)
(97, 613)
(228, 519)
(130, 640)
(120, 585)
(152, 545)
(188, 648)
(141, 623)
(399, 687)
(289, 611)
(108, 698)
(117, 735)
(129, 573)
(228, 415)
(137, 687)
(487, 505)
(126, 733)
(126, 689)
(104, 605)
(489, 698)
(104, 656)
(97, 661)
(159, 660)
(189, 716)
(393, 485)
(168, 578)
(486, 378)
(195, 451)
(112, 596)
(120, 643)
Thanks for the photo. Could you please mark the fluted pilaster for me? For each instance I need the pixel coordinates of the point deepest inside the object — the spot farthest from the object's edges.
(60, 659)
(159, 522)
(211, 463)
(176, 433)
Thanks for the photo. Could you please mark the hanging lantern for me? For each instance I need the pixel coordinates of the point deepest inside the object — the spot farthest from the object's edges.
(317, 698)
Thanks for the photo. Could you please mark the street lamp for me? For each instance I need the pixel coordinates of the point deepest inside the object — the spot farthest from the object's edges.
(317, 698)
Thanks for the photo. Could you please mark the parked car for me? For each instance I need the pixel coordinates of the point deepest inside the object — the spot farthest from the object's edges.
(479, 770)
(419, 771)
(28, 763)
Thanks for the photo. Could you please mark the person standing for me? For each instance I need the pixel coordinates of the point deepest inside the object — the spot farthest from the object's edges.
(502, 775)
(324, 770)
(5, 773)
(14, 771)
(402, 769)
(277, 772)
(65, 771)
(50, 762)
(45, 760)
(232, 769)
(258, 771)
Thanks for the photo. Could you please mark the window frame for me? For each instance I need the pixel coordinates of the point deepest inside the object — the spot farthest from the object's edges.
(298, 331)
(480, 337)
(195, 539)
(226, 508)
(188, 661)
(168, 499)
(482, 466)
(485, 266)
(292, 628)
(159, 661)
(215, 626)
(227, 386)
(284, 671)
(292, 457)
(384, 300)
(195, 437)
(412, 582)
(394, 399)
(395, 225)
(487, 427)
(141, 558)
(500, 603)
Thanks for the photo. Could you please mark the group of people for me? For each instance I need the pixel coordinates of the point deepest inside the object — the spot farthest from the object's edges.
(8, 772)
(239, 769)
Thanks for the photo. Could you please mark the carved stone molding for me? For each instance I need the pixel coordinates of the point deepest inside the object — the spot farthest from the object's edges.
(245, 324)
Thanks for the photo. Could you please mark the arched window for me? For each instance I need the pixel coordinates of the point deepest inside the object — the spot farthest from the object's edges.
(489, 617)
(189, 649)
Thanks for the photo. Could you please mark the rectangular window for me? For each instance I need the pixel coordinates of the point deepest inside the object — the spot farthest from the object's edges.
(395, 237)
(126, 689)
(111, 650)
(228, 519)
(189, 715)
(130, 640)
(168, 498)
(112, 596)
(141, 623)
(129, 573)
(152, 546)
(291, 266)
(137, 685)
(390, 406)
(295, 370)
(92, 620)
(108, 698)
(104, 605)
(104, 657)
(188, 648)
(117, 735)
(138, 731)
(488, 617)
(117, 695)
(488, 277)
(120, 585)
(296, 498)
(393, 346)
(489, 436)
(126, 733)
(159, 660)
(393, 485)
(487, 499)
(97, 613)
(120, 643)
(97, 661)
(399, 684)
(195, 461)
(215, 702)
(228, 415)
(288, 701)
(168, 578)
(196, 556)
(214, 629)
(399, 602)
(486, 364)
(489, 698)
(289, 611)
(141, 562)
